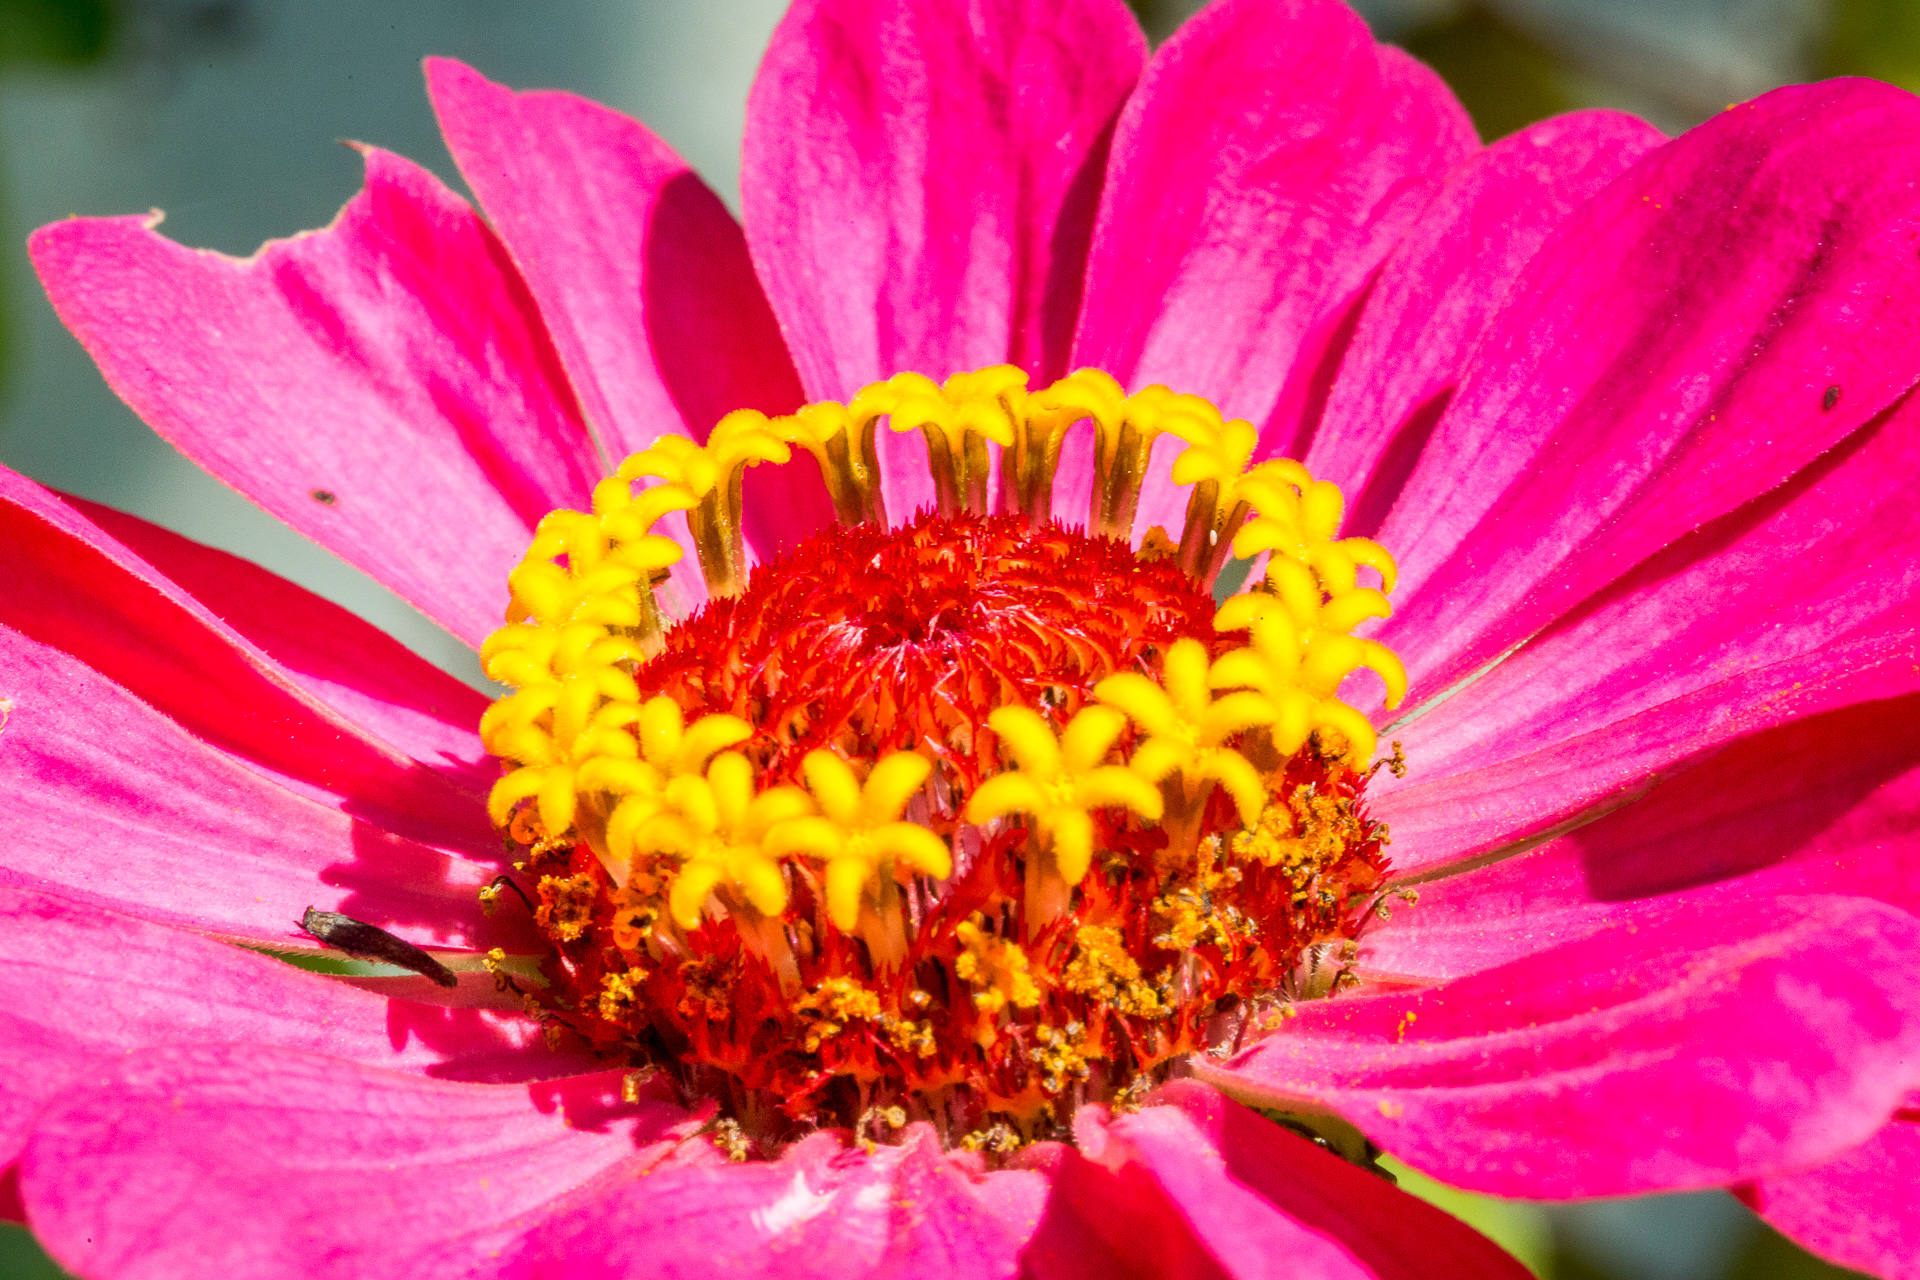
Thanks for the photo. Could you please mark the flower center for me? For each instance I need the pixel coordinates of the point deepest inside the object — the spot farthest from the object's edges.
(969, 820)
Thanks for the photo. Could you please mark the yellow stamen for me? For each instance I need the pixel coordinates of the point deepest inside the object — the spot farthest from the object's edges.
(603, 592)
(858, 832)
(1186, 726)
(957, 419)
(713, 473)
(1301, 654)
(844, 448)
(1228, 487)
(1297, 520)
(717, 826)
(1061, 780)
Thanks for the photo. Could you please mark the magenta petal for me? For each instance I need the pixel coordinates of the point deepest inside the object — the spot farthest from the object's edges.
(81, 987)
(1690, 338)
(819, 1211)
(1441, 286)
(1107, 1222)
(1858, 1211)
(249, 1161)
(640, 272)
(1270, 1205)
(383, 386)
(1269, 160)
(919, 186)
(919, 179)
(130, 811)
(1822, 805)
(1692, 1044)
(72, 586)
(358, 670)
(1800, 602)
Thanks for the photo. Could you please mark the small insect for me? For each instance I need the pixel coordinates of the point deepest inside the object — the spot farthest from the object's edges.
(1829, 400)
(344, 933)
(325, 497)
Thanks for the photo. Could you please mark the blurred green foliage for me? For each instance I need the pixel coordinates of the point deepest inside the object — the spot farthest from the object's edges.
(1504, 78)
(1878, 38)
(39, 35)
(55, 33)
(22, 1258)
(1771, 1256)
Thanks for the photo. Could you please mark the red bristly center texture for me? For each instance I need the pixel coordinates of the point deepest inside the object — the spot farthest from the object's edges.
(869, 640)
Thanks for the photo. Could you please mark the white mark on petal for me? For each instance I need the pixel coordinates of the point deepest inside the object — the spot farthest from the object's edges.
(797, 1204)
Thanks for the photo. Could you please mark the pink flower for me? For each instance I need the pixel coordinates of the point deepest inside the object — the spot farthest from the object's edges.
(1631, 413)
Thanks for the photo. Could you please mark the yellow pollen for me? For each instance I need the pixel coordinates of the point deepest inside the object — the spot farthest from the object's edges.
(908, 1036)
(1102, 969)
(620, 993)
(634, 915)
(1000, 1139)
(731, 1140)
(633, 1082)
(709, 988)
(566, 905)
(828, 1008)
(1190, 915)
(1062, 1054)
(998, 966)
(1307, 832)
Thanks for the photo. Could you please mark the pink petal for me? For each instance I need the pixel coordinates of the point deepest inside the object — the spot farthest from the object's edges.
(1693, 1044)
(72, 586)
(1824, 805)
(1107, 1222)
(919, 185)
(1439, 289)
(1270, 159)
(1696, 334)
(356, 669)
(819, 1211)
(1270, 1205)
(1858, 1211)
(1799, 602)
(85, 987)
(383, 386)
(640, 272)
(245, 1160)
(118, 805)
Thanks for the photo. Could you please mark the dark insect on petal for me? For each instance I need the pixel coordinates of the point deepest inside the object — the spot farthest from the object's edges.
(344, 933)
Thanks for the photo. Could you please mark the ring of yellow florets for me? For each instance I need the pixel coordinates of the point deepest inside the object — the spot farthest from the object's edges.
(961, 818)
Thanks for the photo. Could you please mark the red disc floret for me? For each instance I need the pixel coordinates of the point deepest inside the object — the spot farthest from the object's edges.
(873, 640)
